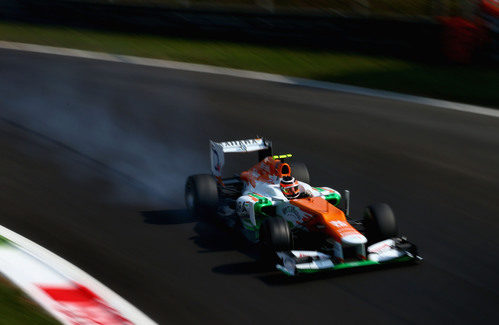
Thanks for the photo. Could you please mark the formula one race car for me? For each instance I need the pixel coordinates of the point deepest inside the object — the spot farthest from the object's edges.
(299, 228)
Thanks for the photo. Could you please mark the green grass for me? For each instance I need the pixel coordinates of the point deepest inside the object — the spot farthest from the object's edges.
(17, 309)
(470, 84)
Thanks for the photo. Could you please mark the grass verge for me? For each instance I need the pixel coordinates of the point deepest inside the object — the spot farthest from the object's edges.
(469, 84)
(17, 309)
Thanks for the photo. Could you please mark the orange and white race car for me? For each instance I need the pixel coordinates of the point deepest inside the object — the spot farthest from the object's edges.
(299, 228)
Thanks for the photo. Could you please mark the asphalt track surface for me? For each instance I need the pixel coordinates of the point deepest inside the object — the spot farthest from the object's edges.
(93, 158)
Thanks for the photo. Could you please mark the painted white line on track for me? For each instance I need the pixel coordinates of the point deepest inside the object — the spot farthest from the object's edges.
(46, 273)
(202, 68)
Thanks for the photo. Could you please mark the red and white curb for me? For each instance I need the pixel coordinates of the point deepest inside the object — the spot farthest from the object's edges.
(66, 292)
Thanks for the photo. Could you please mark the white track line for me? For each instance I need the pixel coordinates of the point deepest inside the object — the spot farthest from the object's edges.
(250, 75)
(77, 275)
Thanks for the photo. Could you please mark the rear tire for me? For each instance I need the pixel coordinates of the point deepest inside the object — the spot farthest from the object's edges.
(201, 195)
(379, 222)
(275, 236)
(300, 171)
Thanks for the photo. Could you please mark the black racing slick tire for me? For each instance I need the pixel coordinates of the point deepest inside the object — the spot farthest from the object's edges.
(275, 236)
(300, 171)
(201, 195)
(379, 222)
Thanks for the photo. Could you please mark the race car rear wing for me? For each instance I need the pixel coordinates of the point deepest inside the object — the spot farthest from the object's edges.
(218, 149)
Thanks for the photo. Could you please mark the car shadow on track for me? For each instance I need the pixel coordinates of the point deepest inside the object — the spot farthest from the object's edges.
(215, 236)
(212, 236)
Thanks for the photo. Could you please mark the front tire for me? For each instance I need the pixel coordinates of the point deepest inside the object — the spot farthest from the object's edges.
(379, 222)
(201, 195)
(275, 236)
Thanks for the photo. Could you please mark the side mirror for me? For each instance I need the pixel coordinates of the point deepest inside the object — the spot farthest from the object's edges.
(347, 203)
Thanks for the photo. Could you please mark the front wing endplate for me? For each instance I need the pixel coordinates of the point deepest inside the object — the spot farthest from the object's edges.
(388, 251)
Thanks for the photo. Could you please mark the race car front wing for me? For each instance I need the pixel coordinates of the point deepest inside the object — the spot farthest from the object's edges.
(394, 250)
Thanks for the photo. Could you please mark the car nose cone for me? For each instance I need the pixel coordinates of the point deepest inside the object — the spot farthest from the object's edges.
(352, 240)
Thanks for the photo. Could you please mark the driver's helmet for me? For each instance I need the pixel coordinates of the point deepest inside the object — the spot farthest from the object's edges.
(290, 187)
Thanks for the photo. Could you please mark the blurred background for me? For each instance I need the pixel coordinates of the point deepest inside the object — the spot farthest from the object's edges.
(427, 8)
(444, 49)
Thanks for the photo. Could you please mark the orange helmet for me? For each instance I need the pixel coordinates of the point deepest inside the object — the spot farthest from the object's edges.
(290, 187)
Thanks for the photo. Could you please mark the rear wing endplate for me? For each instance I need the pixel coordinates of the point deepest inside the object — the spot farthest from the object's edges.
(218, 149)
